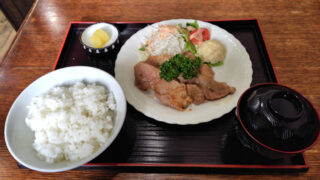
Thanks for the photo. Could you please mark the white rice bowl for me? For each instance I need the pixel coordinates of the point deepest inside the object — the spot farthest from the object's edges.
(20, 138)
(71, 122)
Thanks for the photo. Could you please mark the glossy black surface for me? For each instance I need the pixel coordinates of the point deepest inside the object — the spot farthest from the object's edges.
(258, 148)
(279, 117)
(143, 140)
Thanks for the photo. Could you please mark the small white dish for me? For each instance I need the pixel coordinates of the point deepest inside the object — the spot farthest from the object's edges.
(236, 72)
(18, 135)
(110, 29)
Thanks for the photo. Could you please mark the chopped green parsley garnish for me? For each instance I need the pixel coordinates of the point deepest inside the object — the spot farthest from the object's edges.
(180, 64)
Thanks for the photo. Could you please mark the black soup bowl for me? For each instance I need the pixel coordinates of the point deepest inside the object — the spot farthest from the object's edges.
(276, 121)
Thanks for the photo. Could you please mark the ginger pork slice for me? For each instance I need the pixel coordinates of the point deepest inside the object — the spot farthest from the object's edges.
(146, 76)
(172, 94)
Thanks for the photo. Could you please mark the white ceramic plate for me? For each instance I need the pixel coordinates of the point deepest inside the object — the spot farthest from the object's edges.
(236, 71)
(18, 135)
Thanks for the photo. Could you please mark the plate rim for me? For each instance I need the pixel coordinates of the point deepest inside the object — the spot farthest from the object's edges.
(148, 114)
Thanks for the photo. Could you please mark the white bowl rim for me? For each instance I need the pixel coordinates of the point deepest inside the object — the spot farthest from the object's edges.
(106, 45)
(84, 160)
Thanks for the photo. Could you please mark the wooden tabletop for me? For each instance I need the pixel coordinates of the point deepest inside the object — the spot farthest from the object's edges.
(291, 30)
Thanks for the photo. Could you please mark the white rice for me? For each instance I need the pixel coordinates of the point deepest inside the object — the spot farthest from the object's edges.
(71, 123)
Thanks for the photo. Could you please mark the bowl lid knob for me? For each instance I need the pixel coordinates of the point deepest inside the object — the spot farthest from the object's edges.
(285, 106)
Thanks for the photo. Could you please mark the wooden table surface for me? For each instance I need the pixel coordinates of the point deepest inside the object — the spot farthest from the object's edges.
(291, 30)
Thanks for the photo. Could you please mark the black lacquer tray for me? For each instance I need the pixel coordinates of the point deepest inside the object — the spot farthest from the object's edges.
(145, 144)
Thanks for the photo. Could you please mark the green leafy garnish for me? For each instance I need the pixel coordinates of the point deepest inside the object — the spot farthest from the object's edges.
(183, 33)
(195, 24)
(178, 64)
(143, 48)
(189, 45)
(220, 63)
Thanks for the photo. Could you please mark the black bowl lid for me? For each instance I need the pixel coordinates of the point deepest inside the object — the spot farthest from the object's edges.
(278, 117)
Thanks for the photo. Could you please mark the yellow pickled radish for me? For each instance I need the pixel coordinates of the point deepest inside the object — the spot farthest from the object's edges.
(96, 41)
(103, 35)
(99, 38)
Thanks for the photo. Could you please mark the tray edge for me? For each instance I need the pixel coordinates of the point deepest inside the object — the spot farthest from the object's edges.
(231, 166)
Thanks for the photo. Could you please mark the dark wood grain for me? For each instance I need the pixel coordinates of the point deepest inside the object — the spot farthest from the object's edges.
(16, 11)
(291, 30)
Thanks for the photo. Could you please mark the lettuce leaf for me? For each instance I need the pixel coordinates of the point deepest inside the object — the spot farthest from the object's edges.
(189, 45)
(220, 63)
(194, 24)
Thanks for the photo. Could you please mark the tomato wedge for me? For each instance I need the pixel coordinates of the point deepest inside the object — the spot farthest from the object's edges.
(199, 35)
